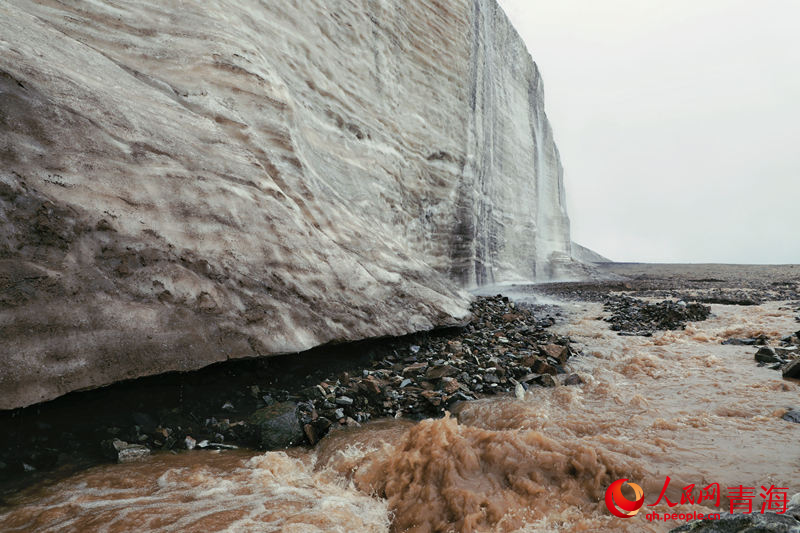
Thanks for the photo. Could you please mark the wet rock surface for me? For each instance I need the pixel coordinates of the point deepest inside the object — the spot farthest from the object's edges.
(793, 415)
(279, 402)
(632, 316)
(745, 523)
(277, 426)
(783, 356)
(123, 452)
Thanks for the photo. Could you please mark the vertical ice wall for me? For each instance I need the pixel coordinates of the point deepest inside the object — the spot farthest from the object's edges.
(512, 220)
(187, 182)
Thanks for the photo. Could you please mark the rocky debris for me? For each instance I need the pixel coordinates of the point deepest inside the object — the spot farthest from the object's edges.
(122, 452)
(277, 426)
(505, 345)
(728, 298)
(744, 523)
(792, 415)
(784, 357)
(277, 402)
(728, 284)
(632, 316)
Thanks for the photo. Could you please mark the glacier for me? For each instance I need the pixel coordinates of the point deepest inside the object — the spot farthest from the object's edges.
(183, 183)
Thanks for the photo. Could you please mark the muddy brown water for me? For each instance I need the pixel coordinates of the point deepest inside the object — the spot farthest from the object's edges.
(677, 404)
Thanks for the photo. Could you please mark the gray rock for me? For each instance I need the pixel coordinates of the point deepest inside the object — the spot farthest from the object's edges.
(740, 342)
(743, 523)
(344, 400)
(765, 354)
(546, 380)
(277, 426)
(122, 452)
(792, 369)
(792, 416)
(268, 400)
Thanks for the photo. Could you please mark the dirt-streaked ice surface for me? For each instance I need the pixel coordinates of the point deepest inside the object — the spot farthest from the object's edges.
(186, 182)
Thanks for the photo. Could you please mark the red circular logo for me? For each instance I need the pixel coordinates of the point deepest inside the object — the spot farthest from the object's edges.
(618, 504)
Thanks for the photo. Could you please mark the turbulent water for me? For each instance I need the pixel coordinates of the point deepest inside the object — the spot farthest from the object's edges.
(677, 404)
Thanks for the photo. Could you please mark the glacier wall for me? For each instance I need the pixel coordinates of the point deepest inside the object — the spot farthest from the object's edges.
(183, 183)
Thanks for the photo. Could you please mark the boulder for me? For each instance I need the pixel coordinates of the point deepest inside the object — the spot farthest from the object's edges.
(765, 354)
(277, 426)
(792, 369)
(122, 452)
(792, 415)
(743, 523)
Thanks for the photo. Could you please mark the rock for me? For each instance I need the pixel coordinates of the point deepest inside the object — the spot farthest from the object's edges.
(268, 400)
(631, 316)
(792, 416)
(573, 379)
(415, 369)
(792, 369)
(311, 434)
(538, 366)
(344, 400)
(546, 380)
(122, 452)
(277, 426)
(438, 372)
(556, 351)
(740, 342)
(490, 378)
(519, 391)
(246, 171)
(433, 397)
(743, 523)
(189, 443)
(372, 385)
(219, 446)
(227, 406)
(765, 354)
(450, 385)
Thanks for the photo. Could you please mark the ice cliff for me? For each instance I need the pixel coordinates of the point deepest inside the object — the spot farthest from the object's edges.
(183, 183)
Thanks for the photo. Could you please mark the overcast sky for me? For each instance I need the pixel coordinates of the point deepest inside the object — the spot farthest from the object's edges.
(678, 123)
